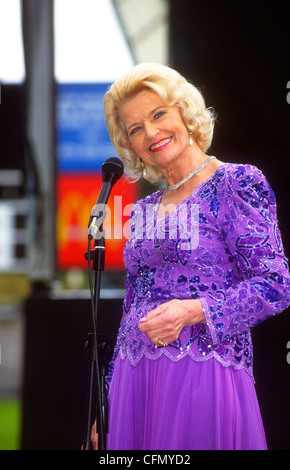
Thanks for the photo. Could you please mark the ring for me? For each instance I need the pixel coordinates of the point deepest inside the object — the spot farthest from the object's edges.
(161, 344)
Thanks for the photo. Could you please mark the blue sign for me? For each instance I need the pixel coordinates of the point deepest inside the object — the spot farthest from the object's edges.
(83, 142)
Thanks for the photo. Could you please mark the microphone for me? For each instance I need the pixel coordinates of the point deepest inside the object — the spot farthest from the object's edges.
(112, 170)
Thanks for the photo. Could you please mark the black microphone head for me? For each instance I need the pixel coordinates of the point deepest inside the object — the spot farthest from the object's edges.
(113, 168)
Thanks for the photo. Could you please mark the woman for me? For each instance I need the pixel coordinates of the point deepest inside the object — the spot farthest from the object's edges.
(204, 264)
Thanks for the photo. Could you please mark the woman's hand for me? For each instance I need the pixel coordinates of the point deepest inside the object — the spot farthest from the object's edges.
(166, 321)
(94, 436)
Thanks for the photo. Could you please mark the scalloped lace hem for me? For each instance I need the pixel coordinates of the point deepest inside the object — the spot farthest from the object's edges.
(226, 363)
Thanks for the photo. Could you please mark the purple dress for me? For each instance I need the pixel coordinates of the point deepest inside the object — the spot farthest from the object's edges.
(221, 245)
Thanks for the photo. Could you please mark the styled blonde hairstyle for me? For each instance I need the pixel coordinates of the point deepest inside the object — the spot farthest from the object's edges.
(173, 89)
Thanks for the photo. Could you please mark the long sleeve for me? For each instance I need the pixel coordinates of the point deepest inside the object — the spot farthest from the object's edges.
(258, 282)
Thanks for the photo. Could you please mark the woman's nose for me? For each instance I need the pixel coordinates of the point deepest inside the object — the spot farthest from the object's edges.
(150, 130)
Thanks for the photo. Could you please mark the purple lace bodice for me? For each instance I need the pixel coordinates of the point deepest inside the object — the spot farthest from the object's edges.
(221, 245)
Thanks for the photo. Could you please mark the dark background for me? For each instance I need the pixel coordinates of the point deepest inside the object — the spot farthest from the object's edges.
(238, 55)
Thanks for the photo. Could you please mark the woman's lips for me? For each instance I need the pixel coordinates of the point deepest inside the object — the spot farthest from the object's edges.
(160, 144)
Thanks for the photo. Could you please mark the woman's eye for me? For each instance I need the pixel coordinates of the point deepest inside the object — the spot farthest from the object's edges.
(159, 114)
(133, 131)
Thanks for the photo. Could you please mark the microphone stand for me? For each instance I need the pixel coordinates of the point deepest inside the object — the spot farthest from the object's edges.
(112, 170)
(97, 364)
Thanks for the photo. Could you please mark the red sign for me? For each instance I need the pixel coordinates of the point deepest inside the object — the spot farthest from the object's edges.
(76, 197)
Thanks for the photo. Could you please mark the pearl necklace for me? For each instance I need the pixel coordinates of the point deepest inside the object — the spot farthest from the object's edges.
(201, 167)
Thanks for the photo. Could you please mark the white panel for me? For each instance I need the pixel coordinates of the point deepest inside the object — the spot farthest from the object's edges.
(89, 43)
(12, 69)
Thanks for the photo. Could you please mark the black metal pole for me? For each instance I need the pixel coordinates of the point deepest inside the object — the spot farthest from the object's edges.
(90, 349)
(98, 258)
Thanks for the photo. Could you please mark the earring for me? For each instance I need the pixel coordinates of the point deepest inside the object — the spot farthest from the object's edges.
(144, 172)
(190, 139)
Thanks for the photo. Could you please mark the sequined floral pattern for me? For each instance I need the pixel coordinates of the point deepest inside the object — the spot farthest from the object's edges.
(236, 267)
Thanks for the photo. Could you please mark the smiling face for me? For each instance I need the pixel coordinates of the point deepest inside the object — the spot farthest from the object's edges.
(156, 132)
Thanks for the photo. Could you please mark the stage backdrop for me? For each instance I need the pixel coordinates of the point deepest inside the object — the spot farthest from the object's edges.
(83, 145)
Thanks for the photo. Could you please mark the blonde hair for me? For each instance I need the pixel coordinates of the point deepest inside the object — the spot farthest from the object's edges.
(174, 90)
